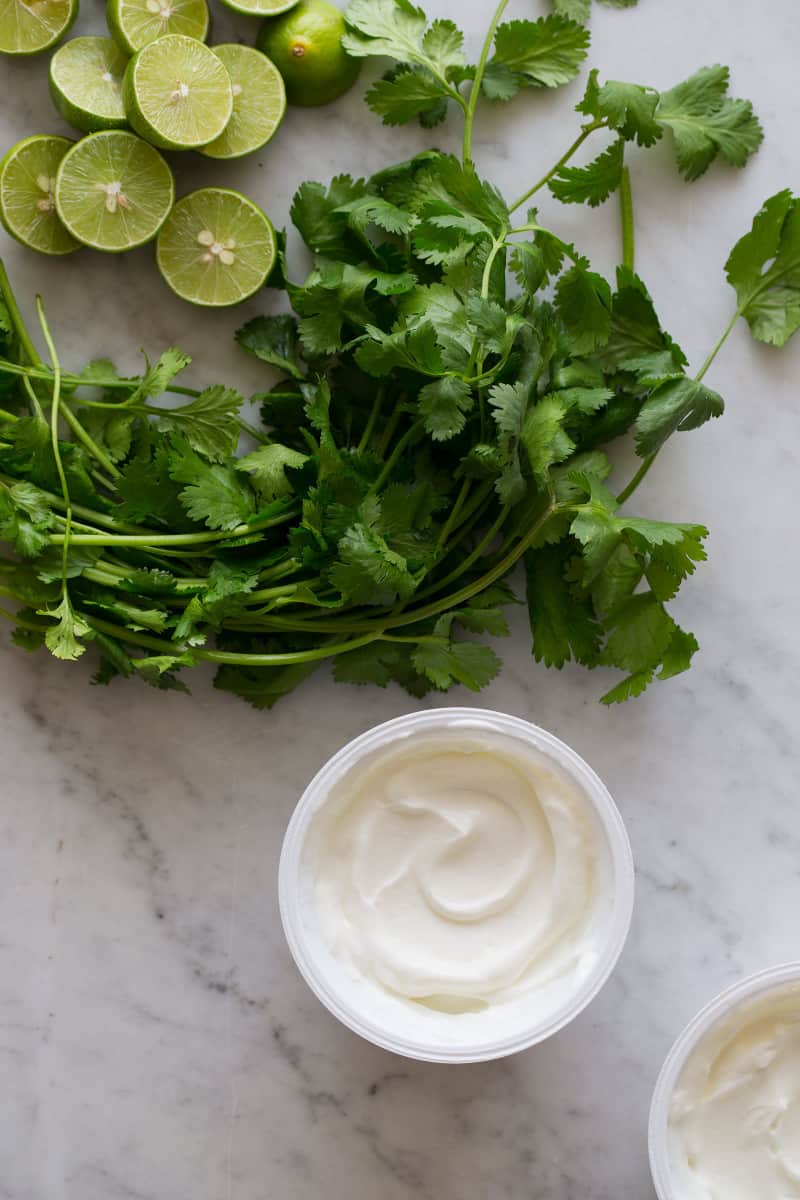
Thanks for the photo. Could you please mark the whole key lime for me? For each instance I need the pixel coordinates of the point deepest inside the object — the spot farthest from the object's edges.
(306, 46)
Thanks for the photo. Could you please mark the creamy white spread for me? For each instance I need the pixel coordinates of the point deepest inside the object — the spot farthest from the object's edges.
(735, 1112)
(460, 871)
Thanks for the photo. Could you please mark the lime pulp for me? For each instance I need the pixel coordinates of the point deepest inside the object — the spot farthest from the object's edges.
(30, 26)
(177, 93)
(135, 23)
(113, 191)
(86, 83)
(216, 247)
(27, 194)
(259, 102)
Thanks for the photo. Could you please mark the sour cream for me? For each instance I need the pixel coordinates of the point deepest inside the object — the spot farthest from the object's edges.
(734, 1122)
(460, 872)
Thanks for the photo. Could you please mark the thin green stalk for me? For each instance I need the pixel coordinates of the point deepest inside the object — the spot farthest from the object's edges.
(372, 418)
(473, 556)
(36, 407)
(388, 431)
(576, 145)
(14, 313)
(54, 411)
(89, 442)
(477, 82)
(454, 512)
(393, 459)
(628, 491)
(718, 346)
(626, 216)
(7, 416)
(170, 539)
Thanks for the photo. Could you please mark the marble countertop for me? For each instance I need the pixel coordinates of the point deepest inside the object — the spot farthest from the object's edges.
(156, 1040)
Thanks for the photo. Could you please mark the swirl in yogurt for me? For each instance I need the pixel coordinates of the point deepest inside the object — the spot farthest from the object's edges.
(459, 872)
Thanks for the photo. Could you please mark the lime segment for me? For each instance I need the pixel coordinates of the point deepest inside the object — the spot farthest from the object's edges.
(113, 191)
(259, 102)
(260, 8)
(135, 23)
(177, 93)
(306, 46)
(30, 26)
(216, 247)
(86, 83)
(27, 203)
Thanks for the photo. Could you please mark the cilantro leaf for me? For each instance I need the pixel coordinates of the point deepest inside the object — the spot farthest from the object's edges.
(592, 184)
(444, 405)
(274, 340)
(677, 403)
(267, 469)
(368, 571)
(706, 122)
(63, 638)
(323, 227)
(159, 376)
(446, 662)
(583, 301)
(627, 108)
(25, 518)
(764, 269)
(562, 620)
(209, 422)
(215, 494)
(263, 687)
(543, 53)
(405, 93)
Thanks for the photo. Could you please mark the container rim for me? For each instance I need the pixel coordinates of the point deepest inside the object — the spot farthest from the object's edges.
(482, 720)
(770, 979)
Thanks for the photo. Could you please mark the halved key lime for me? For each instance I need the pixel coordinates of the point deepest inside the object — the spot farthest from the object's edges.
(27, 204)
(259, 102)
(30, 26)
(113, 191)
(86, 83)
(134, 23)
(216, 247)
(260, 8)
(177, 93)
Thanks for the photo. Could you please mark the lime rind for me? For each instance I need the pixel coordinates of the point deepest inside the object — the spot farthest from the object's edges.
(216, 248)
(136, 23)
(86, 83)
(27, 194)
(113, 191)
(306, 46)
(32, 27)
(259, 102)
(177, 94)
(260, 8)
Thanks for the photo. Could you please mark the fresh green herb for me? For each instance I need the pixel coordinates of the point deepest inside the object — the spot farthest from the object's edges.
(432, 428)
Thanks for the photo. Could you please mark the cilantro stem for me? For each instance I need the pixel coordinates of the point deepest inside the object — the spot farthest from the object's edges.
(628, 491)
(473, 556)
(373, 416)
(23, 337)
(626, 216)
(7, 416)
(718, 346)
(403, 442)
(54, 411)
(576, 145)
(454, 512)
(89, 442)
(477, 82)
(170, 539)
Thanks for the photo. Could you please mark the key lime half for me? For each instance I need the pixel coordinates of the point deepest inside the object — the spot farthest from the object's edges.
(134, 23)
(27, 200)
(86, 83)
(113, 191)
(216, 247)
(30, 26)
(177, 93)
(259, 102)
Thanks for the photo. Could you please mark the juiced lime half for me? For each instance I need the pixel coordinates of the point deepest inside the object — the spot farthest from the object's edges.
(260, 8)
(113, 191)
(86, 83)
(30, 26)
(27, 186)
(134, 23)
(216, 247)
(259, 102)
(177, 93)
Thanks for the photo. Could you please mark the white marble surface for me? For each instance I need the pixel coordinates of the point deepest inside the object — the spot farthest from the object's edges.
(156, 1042)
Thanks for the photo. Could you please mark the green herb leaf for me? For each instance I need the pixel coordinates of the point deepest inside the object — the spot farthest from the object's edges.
(764, 269)
(706, 122)
(544, 53)
(592, 184)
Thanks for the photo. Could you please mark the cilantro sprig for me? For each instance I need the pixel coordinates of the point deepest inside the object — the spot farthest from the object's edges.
(439, 391)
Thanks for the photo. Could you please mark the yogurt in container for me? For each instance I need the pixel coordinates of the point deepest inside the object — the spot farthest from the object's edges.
(456, 885)
(725, 1119)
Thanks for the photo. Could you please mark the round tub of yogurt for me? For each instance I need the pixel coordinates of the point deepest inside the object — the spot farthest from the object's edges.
(725, 1117)
(456, 885)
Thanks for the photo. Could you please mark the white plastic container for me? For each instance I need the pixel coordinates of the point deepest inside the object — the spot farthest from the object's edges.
(400, 1025)
(774, 979)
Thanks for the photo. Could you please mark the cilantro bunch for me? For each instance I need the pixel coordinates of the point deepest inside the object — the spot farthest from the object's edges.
(448, 377)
